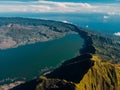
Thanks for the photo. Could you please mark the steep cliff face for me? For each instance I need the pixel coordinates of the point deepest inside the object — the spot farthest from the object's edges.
(102, 76)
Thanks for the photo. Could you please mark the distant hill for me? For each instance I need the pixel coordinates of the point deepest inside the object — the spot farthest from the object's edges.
(21, 31)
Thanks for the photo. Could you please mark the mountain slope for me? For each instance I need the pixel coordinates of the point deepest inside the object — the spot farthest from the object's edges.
(102, 76)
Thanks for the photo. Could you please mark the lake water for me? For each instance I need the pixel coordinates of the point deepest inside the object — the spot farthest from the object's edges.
(28, 61)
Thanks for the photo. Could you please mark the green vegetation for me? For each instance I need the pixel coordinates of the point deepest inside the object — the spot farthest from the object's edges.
(108, 48)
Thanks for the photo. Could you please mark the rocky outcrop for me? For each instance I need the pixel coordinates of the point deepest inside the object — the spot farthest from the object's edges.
(54, 84)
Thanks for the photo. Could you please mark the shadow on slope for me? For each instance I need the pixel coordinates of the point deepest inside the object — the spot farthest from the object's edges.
(71, 70)
(27, 86)
(74, 69)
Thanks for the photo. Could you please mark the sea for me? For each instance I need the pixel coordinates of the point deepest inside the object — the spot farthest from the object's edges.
(29, 61)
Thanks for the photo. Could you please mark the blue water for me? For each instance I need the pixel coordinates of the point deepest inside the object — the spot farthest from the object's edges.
(94, 21)
(28, 61)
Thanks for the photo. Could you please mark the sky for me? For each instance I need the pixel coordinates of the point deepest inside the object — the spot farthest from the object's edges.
(64, 0)
(110, 7)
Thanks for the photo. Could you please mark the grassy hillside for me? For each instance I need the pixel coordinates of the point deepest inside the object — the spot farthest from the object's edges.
(102, 76)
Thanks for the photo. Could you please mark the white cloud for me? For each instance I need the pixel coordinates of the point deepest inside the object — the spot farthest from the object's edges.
(65, 21)
(117, 33)
(105, 17)
(43, 6)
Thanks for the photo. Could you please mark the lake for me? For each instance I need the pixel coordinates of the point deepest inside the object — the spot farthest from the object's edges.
(28, 61)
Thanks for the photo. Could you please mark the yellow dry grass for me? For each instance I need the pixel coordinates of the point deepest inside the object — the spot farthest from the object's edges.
(102, 76)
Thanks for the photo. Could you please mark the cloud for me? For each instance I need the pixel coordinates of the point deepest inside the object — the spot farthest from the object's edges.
(105, 17)
(43, 6)
(117, 33)
(65, 21)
